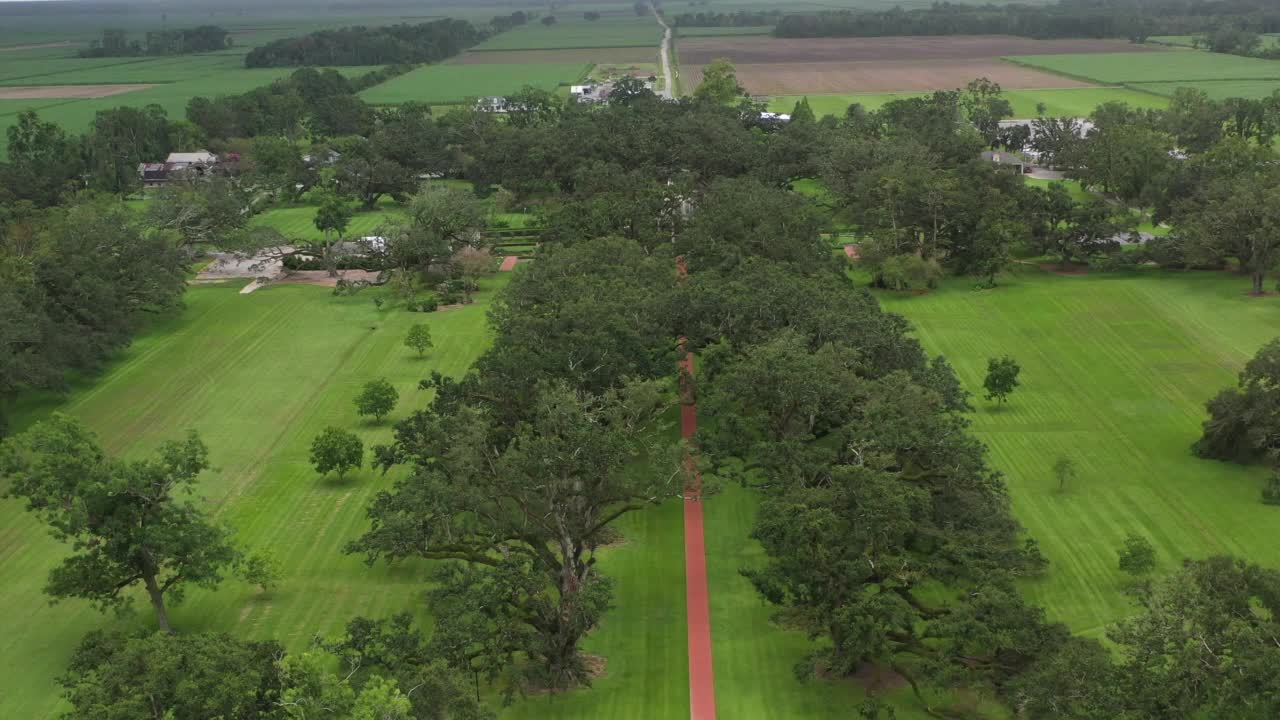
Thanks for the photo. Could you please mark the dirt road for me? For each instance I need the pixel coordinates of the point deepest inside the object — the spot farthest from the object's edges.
(668, 76)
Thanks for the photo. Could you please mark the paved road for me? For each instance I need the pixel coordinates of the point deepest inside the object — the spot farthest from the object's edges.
(669, 78)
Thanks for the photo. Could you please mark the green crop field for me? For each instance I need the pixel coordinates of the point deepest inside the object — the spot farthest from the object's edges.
(1120, 68)
(1115, 374)
(572, 31)
(1219, 90)
(689, 32)
(176, 80)
(1269, 40)
(258, 376)
(1073, 102)
(451, 84)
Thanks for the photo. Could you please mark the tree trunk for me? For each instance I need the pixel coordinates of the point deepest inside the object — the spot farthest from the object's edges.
(157, 602)
(1258, 277)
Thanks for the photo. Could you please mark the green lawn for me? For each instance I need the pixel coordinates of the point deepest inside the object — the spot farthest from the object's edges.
(452, 84)
(1115, 373)
(258, 376)
(1073, 102)
(572, 31)
(1119, 68)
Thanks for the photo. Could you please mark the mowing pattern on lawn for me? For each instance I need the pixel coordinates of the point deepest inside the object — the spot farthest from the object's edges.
(258, 376)
(1115, 373)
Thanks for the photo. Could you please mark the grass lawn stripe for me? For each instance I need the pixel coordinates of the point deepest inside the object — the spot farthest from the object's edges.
(1116, 370)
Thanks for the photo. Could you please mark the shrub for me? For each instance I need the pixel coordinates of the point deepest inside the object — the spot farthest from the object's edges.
(908, 272)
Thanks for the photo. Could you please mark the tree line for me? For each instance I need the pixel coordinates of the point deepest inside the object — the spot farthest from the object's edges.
(202, 39)
(1064, 19)
(387, 45)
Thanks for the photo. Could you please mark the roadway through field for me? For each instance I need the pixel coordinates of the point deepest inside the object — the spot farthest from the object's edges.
(702, 685)
(669, 78)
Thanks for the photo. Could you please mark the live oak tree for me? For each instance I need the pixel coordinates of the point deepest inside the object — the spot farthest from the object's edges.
(126, 521)
(1244, 421)
(378, 398)
(719, 83)
(335, 449)
(1237, 218)
(202, 213)
(523, 508)
(1202, 644)
(441, 221)
(119, 676)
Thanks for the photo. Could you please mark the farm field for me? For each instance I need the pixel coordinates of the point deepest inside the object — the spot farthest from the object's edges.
(700, 51)
(1217, 90)
(906, 75)
(572, 31)
(773, 66)
(1115, 373)
(1268, 40)
(638, 54)
(1140, 67)
(174, 81)
(258, 376)
(454, 83)
(1078, 102)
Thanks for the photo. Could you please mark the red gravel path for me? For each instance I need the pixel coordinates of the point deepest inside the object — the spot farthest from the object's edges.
(702, 684)
(509, 263)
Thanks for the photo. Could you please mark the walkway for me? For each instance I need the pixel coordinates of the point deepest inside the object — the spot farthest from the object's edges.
(702, 684)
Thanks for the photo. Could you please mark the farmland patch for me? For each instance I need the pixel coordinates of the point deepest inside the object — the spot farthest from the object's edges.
(907, 75)
(1140, 67)
(752, 50)
(1075, 102)
(45, 92)
(595, 56)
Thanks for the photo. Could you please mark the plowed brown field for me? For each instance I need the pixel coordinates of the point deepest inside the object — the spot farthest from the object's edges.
(759, 50)
(895, 75)
(45, 92)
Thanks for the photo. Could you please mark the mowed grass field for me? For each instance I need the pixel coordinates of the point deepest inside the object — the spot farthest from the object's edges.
(1074, 102)
(1115, 374)
(454, 83)
(258, 376)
